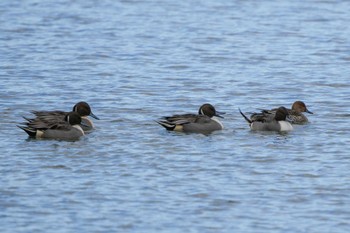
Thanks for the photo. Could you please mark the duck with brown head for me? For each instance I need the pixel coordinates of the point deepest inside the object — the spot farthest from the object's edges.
(295, 114)
(206, 121)
(82, 108)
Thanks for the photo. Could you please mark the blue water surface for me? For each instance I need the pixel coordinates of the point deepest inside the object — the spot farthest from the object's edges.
(135, 61)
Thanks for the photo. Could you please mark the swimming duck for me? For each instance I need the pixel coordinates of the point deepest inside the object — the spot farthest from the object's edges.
(295, 116)
(205, 122)
(270, 122)
(82, 108)
(68, 130)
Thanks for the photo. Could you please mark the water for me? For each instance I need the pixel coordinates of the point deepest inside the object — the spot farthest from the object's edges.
(135, 61)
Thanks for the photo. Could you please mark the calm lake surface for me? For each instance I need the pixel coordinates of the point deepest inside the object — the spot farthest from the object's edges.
(135, 61)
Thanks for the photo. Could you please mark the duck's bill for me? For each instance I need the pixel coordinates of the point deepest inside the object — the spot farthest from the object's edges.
(309, 111)
(94, 116)
(218, 114)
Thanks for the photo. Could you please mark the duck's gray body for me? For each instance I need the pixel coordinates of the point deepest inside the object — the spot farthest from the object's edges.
(69, 133)
(271, 126)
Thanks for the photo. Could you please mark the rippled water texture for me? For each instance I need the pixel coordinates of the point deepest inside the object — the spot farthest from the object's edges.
(135, 61)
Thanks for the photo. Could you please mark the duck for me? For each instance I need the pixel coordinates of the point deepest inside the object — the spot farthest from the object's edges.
(295, 116)
(270, 122)
(82, 108)
(205, 122)
(69, 129)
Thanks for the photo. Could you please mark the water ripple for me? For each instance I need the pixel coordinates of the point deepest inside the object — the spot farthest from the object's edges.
(135, 61)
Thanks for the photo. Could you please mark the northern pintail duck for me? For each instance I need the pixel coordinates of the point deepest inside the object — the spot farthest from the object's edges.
(82, 108)
(270, 122)
(295, 116)
(69, 130)
(205, 122)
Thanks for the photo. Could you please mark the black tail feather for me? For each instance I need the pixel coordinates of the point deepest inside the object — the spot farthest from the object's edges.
(28, 119)
(29, 131)
(245, 117)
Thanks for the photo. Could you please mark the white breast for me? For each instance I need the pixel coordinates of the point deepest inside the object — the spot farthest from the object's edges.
(285, 126)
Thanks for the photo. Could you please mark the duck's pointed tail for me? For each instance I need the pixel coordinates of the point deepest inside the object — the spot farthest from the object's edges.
(28, 119)
(245, 117)
(169, 126)
(29, 131)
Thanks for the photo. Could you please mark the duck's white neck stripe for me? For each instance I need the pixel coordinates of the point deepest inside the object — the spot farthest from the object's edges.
(214, 118)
